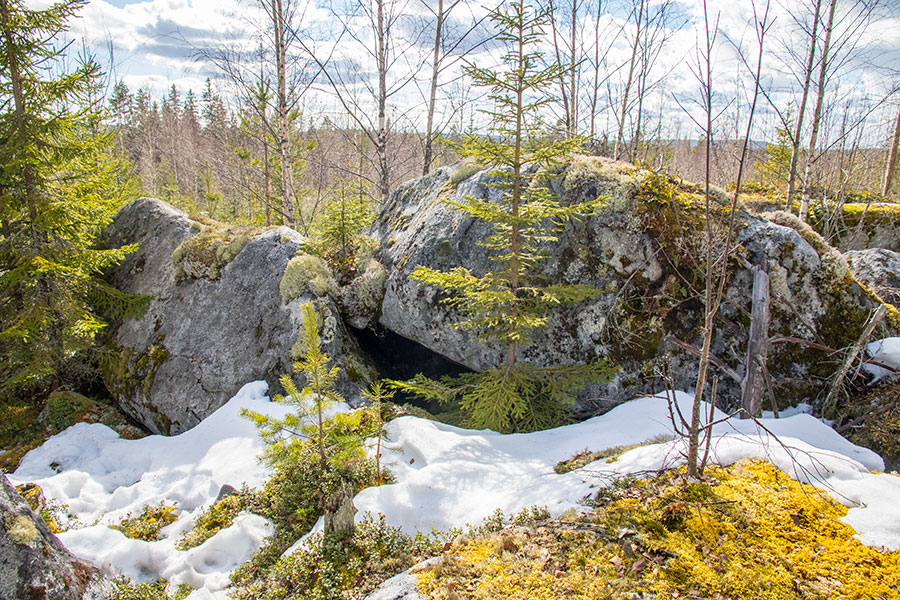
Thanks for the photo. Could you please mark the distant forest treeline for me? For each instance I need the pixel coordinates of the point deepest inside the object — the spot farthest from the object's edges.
(195, 153)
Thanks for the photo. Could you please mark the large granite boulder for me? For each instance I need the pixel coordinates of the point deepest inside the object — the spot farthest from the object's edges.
(225, 310)
(878, 268)
(34, 565)
(643, 251)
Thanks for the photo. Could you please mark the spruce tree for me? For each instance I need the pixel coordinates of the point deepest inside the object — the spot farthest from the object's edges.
(59, 186)
(339, 227)
(509, 304)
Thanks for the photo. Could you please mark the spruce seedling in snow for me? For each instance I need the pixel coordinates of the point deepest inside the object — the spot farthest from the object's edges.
(308, 422)
(376, 394)
(507, 305)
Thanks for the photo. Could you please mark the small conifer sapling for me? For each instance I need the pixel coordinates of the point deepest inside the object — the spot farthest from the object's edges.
(508, 304)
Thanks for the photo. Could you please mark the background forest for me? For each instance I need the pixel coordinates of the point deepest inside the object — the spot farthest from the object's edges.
(382, 97)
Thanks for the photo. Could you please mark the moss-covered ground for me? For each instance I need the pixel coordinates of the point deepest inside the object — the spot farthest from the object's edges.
(147, 525)
(746, 532)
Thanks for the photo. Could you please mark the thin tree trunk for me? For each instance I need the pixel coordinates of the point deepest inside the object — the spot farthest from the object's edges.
(562, 85)
(795, 141)
(435, 68)
(596, 91)
(284, 149)
(517, 190)
(267, 183)
(383, 166)
(573, 75)
(817, 113)
(637, 36)
(892, 157)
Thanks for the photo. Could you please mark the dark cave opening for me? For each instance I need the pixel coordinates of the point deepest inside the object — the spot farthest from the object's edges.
(397, 357)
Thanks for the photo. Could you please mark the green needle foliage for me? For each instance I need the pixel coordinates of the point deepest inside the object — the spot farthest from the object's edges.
(509, 304)
(60, 184)
(376, 395)
(339, 228)
(313, 454)
(308, 423)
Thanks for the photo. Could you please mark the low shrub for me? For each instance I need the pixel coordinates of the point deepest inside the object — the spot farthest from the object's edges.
(332, 569)
(147, 525)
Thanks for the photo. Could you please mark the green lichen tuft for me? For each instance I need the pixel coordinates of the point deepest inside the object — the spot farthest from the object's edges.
(204, 256)
(21, 529)
(463, 172)
(369, 288)
(306, 272)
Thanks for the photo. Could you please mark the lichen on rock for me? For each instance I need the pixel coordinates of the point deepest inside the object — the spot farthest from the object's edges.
(206, 254)
(306, 272)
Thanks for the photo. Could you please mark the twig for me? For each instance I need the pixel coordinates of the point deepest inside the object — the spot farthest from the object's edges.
(831, 398)
(713, 359)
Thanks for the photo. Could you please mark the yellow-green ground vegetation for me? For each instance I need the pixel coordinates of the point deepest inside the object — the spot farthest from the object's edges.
(746, 532)
(339, 569)
(215, 518)
(147, 525)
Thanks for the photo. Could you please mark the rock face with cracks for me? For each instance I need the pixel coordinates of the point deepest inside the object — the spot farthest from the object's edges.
(644, 252)
(878, 268)
(219, 316)
(34, 565)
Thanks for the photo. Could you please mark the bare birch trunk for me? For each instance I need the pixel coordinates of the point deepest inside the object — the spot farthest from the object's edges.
(817, 113)
(637, 36)
(795, 141)
(892, 157)
(435, 67)
(281, 109)
(384, 180)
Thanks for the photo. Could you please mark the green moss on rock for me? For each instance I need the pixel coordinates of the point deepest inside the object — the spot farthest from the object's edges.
(205, 255)
(463, 172)
(306, 272)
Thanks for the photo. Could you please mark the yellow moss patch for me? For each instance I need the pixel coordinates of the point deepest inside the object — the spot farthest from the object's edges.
(217, 517)
(749, 531)
(875, 213)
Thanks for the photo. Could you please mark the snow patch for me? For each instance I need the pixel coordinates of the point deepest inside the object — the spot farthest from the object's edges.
(445, 477)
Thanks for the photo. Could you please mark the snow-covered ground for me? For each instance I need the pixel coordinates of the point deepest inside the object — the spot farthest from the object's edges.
(445, 477)
(886, 352)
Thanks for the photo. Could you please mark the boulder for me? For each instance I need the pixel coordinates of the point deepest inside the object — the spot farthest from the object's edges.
(225, 310)
(879, 269)
(34, 564)
(643, 252)
(403, 586)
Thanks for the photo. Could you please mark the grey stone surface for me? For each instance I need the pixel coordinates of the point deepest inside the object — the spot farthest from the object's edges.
(878, 268)
(403, 585)
(645, 294)
(206, 335)
(33, 562)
